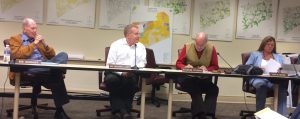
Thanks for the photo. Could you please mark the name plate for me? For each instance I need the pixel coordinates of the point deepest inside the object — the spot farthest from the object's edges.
(278, 74)
(28, 61)
(192, 70)
(118, 66)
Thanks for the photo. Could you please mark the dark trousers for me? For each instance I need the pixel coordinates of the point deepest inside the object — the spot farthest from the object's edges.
(52, 79)
(121, 91)
(296, 113)
(196, 87)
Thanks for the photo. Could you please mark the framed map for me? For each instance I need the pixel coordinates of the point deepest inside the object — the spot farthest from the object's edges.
(215, 18)
(156, 30)
(256, 19)
(79, 13)
(17, 10)
(115, 14)
(289, 21)
(181, 13)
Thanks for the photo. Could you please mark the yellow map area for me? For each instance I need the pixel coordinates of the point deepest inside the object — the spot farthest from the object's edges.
(156, 31)
(64, 6)
(7, 4)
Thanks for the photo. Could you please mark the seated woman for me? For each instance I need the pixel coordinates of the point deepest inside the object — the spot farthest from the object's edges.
(265, 54)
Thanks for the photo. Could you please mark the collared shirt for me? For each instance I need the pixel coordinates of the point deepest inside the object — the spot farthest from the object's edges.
(122, 54)
(36, 55)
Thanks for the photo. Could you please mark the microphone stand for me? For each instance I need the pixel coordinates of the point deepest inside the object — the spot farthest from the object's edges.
(295, 71)
(135, 67)
(228, 71)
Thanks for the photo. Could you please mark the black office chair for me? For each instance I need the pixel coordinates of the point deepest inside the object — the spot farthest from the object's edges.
(248, 88)
(188, 110)
(29, 80)
(155, 80)
(295, 83)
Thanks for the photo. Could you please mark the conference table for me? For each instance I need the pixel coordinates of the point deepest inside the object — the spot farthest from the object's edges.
(167, 72)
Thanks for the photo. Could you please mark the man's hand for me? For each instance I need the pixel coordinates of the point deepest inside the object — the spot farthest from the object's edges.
(188, 66)
(203, 68)
(39, 38)
(125, 74)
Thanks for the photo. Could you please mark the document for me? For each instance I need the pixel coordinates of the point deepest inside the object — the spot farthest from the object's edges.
(272, 66)
(267, 113)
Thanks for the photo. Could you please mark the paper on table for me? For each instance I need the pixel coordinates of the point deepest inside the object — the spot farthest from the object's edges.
(272, 66)
(267, 113)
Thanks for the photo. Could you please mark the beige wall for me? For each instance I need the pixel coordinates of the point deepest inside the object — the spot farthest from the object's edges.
(91, 43)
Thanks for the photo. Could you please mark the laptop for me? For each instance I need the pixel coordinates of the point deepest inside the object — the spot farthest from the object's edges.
(291, 69)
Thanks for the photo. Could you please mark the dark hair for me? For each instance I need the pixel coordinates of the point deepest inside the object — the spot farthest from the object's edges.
(264, 43)
(127, 29)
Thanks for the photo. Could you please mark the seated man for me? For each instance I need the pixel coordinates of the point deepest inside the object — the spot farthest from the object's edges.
(30, 45)
(202, 55)
(123, 85)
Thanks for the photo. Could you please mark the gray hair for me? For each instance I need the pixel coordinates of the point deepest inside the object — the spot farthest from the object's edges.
(26, 21)
(127, 29)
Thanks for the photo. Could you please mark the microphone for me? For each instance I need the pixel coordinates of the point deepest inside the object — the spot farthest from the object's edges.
(228, 71)
(135, 67)
(295, 71)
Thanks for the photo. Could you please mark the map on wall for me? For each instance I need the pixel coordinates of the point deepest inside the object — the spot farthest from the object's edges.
(17, 10)
(289, 21)
(256, 18)
(156, 30)
(181, 13)
(215, 17)
(79, 13)
(115, 14)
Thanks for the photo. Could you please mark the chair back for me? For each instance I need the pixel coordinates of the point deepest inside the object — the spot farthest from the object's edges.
(102, 85)
(106, 53)
(245, 57)
(246, 86)
(151, 63)
(5, 42)
(295, 60)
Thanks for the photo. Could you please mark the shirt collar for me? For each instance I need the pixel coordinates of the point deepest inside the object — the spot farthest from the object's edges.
(124, 42)
(24, 37)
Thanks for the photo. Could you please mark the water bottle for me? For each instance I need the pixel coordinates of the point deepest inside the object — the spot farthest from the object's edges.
(6, 55)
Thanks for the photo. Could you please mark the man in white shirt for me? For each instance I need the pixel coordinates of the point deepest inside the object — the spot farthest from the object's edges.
(123, 85)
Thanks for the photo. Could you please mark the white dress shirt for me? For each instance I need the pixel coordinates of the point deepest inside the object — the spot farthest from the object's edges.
(122, 54)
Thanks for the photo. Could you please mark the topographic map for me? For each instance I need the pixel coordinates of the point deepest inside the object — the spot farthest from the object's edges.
(181, 13)
(115, 14)
(17, 10)
(7, 4)
(79, 13)
(156, 30)
(256, 18)
(215, 17)
(64, 6)
(289, 21)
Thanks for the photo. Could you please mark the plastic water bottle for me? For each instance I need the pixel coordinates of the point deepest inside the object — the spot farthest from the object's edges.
(6, 55)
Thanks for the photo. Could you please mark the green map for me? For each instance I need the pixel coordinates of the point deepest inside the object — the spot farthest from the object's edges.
(7, 4)
(64, 6)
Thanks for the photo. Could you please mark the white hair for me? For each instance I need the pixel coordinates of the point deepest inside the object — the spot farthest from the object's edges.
(27, 21)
